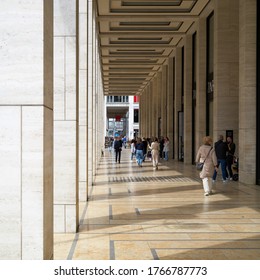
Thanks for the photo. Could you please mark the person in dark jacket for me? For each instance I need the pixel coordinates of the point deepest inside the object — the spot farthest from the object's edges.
(161, 147)
(230, 156)
(118, 148)
(221, 149)
(145, 144)
(139, 152)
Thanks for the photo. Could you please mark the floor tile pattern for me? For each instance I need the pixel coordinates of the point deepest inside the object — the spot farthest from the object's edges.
(140, 213)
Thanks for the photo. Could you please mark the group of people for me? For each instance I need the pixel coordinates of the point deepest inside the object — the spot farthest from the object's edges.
(142, 148)
(150, 148)
(221, 155)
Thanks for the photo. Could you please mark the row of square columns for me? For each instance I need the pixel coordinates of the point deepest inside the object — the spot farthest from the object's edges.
(52, 123)
(170, 93)
(155, 106)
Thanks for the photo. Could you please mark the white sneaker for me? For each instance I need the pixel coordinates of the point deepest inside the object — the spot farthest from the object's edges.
(224, 181)
(231, 179)
(213, 181)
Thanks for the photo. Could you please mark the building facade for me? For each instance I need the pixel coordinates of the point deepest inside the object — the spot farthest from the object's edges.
(55, 71)
(122, 113)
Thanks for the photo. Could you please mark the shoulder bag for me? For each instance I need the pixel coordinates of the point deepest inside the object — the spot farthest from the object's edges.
(199, 165)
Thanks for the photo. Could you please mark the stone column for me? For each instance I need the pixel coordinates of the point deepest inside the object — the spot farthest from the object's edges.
(94, 93)
(26, 130)
(65, 117)
(141, 126)
(158, 101)
(150, 102)
(142, 114)
(131, 116)
(83, 72)
(201, 82)
(226, 68)
(170, 106)
(164, 100)
(154, 108)
(247, 91)
(90, 94)
(146, 112)
(177, 99)
(99, 123)
(188, 99)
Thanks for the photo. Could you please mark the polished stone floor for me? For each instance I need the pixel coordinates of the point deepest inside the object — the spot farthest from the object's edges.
(137, 213)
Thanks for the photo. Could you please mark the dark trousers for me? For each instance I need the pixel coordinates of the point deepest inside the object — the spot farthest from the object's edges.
(223, 164)
(229, 165)
(118, 155)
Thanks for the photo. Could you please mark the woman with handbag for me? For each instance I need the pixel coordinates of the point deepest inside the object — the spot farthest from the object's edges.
(155, 147)
(206, 154)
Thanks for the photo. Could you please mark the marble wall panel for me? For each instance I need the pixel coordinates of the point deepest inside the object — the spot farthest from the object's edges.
(226, 68)
(83, 153)
(155, 106)
(82, 110)
(83, 6)
(247, 90)
(229, 43)
(59, 82)
(83, 190)
(70, 79)
(59, 218)
(170, 106)
(247, 63)
(83, 21)
(65, 162)
(228, 75)
(70, 216)
(65, 216)
(247, 100)
(83, 97)
(21, 31)
(65, 17)
(247, 167)
(187, 99)
(32, 182)
(66, 110)
(10, 183)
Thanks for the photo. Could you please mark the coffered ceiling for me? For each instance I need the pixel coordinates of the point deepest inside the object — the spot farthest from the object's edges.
(137, 37)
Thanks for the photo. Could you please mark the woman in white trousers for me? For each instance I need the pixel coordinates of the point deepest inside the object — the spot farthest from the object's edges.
(155, 152)
(207, 155)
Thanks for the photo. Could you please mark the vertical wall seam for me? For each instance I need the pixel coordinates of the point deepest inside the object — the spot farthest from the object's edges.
(65, 220)
(21, 183)
(65, 70)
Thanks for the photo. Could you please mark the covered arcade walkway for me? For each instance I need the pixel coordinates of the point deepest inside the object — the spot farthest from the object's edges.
(195, 66)
(137, 213)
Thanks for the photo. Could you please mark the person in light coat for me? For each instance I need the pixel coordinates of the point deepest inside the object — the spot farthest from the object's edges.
(155, 147)
(207, 152)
